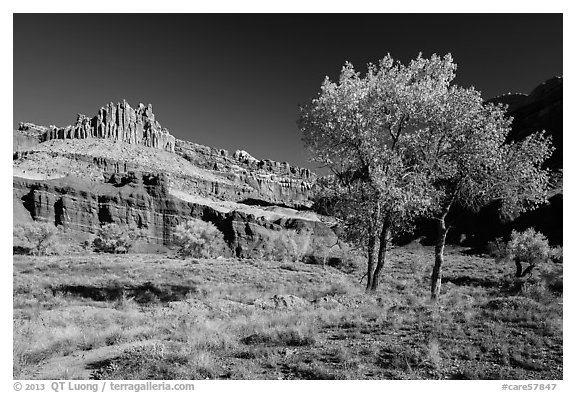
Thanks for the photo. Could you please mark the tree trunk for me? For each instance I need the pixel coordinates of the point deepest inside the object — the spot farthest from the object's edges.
(522, 273)
(381, 256)
(371, 247)
(439, 258)
(518, 268)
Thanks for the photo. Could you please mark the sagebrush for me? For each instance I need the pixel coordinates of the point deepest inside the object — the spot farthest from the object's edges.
(36, 238)
(116, 239)
(199, 239)
(529, 247)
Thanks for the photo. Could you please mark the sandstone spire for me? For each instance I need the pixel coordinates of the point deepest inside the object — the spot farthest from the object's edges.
(119, 122)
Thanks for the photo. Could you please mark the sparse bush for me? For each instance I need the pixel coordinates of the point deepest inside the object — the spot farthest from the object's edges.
(37, 238)
(529, 247)
(87, 245)
(199, 239)
(116, 239)
(556, 254)
(296, 244)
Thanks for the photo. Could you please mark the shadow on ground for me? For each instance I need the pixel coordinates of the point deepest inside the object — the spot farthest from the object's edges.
(142, 294)
(473, 281)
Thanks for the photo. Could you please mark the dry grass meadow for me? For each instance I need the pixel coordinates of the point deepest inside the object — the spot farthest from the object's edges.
(159, 317)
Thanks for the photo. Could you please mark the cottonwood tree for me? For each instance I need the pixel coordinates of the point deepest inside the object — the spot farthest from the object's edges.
(461, 148)
(354, 203)
(357, 128)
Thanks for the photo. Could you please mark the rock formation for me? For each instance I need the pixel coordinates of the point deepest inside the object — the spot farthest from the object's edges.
(275, 182)
(142, 199)
(118, 122)
(121, 166)
(237, 177)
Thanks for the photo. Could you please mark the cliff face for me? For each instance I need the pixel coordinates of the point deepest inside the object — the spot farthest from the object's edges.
(118, 122)
(117, 140)
(142, 199)
(121, 166)
(275, 182)
(230, 182)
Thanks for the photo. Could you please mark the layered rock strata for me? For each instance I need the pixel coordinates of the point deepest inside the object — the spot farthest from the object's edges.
(142, 199)
(275, 182)
(237, 176)
(239, 185)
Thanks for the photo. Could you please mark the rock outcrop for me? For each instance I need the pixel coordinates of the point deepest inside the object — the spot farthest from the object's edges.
(143, 200)
(121, 166)
(92, 146)
(230, 183)
(118, 122)
(275, 182)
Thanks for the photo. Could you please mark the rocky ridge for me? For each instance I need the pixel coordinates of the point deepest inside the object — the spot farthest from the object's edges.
(143, 200)
(118, 122)
(121, 166)
(537, 111)
(224, 176)
(276, 182)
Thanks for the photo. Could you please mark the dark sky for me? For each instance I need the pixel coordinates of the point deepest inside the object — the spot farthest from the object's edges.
(235, 81)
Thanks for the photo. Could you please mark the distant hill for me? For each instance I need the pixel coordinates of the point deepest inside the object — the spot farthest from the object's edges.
(539, 110)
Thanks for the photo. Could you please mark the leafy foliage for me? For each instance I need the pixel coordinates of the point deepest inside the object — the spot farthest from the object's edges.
(359, 129)
(463, 152)
(461, 149)
(401, 142)
(115, 239)
(199, 239)
(556, 254)
(37, 238)
(529, 247)
(288, 245)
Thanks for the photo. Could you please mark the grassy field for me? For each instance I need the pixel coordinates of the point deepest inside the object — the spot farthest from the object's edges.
(157, 317)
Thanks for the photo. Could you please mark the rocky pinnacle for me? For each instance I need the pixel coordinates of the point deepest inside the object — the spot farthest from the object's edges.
(119, 122)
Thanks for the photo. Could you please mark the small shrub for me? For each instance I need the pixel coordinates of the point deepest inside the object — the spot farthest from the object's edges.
(87, 245)
(283, 246)
(556, 254)
(529, 247)
(35, 238)
(116, 239)
(296, 244)
(199, 239)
